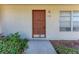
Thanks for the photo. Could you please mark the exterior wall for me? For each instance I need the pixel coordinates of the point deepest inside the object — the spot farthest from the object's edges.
(0, 19)
(18, 18)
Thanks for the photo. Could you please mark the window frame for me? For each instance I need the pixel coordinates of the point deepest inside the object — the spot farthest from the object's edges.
(64, 21)
(75, 21)
(71, 21)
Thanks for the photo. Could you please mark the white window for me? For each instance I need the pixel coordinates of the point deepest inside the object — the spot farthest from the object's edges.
(65, 21)
(75, 20)
(69, 21)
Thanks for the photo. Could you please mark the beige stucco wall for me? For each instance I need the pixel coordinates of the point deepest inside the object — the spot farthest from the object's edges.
(18, 18)
(1, 19)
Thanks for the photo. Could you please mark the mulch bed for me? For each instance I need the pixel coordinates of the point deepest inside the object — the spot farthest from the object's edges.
(67, 43)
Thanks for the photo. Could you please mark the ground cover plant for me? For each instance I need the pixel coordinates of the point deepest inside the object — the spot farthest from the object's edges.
(12, 44)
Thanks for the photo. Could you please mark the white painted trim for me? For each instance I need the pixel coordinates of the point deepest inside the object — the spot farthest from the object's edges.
(42, 35)
(36, 35)
(71, 21)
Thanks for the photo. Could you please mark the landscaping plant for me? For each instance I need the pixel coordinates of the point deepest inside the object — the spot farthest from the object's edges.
(66, 50)
(12, 44)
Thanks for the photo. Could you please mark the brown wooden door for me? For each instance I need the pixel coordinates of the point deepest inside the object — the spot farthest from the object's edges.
(39, 26)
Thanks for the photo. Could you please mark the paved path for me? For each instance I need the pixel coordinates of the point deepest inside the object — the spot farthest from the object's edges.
(40, 47)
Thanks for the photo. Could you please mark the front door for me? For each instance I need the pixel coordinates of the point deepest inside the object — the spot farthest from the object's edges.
(39, 26)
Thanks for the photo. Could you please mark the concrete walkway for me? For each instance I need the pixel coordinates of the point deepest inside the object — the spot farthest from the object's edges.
(40, 47)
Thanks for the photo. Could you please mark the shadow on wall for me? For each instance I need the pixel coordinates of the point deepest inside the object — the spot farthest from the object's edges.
(23, 35)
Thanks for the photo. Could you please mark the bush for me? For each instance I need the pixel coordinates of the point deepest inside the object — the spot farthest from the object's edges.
(66, 50)
(12, 44)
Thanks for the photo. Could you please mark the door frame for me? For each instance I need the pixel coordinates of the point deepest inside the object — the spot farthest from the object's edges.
(33, 24)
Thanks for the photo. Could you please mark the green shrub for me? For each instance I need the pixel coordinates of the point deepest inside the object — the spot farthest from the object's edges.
(12, 44)
(66, 50)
